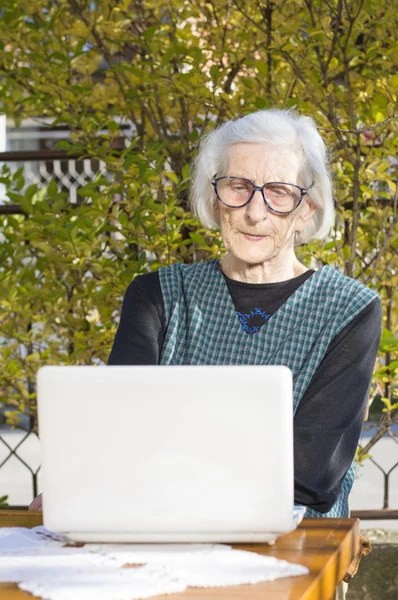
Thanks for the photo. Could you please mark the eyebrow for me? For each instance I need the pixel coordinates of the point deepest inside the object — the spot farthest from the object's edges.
(275, 180)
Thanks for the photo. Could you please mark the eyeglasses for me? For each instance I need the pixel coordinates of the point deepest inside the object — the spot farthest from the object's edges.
(281, 198)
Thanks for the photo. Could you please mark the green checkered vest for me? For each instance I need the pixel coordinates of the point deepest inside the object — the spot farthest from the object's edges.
(201, 328)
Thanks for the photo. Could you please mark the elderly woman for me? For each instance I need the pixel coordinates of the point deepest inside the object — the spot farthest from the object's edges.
(263, 181)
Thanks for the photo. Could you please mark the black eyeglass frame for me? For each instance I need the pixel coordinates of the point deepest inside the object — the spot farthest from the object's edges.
(261, 188)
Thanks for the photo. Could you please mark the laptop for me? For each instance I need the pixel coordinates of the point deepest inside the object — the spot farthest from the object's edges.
(167, 453)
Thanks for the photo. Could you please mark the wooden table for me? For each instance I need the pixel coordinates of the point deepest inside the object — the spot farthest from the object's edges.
(325, 546)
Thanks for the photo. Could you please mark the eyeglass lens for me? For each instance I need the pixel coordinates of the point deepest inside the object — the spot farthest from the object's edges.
(235, 192)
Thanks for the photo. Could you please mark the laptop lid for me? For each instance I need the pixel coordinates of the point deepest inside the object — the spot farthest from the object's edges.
(167, 453)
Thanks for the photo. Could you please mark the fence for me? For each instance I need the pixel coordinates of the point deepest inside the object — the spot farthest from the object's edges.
(31, 481)
(71, 172)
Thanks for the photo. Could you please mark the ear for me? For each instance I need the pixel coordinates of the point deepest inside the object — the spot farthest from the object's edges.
(305, 214)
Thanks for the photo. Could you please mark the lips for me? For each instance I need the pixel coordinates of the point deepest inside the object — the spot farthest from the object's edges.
(254, 238)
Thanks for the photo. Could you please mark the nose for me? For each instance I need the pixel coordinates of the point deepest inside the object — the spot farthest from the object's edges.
(257, 210)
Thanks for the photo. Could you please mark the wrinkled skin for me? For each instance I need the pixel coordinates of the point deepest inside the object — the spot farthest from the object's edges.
(269, 258)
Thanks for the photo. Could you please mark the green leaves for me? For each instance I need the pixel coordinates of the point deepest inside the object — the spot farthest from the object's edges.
(136, 86)
(388, 342)
(198, 239)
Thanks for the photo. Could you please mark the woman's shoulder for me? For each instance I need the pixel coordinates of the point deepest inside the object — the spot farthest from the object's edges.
(145, 287)
(147, 281)
(343, 284)
(208, 265)
(150, 285)
(187, 272)
(343, 295)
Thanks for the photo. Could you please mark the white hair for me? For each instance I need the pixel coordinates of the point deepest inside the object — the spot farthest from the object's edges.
(278, 128)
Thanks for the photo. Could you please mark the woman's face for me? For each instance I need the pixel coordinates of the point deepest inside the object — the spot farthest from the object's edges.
(254, 234)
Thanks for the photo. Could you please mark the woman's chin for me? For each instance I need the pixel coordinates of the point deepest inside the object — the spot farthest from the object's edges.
(252, 256)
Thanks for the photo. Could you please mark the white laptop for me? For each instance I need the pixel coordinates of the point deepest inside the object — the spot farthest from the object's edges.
(167, 453)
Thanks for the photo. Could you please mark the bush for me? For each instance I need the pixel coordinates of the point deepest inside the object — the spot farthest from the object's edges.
(170, 73)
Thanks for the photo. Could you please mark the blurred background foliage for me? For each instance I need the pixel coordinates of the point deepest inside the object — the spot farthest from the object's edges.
(173, 71)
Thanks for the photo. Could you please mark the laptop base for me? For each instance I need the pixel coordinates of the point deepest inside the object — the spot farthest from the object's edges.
(186, 537)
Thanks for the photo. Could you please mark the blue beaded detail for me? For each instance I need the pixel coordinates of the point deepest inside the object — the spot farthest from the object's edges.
(244, 319)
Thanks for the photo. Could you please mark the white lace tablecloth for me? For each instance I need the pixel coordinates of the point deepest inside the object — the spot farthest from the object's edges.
(43, 564)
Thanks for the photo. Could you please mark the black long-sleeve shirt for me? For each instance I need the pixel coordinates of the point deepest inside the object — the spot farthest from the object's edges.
(328, 421)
